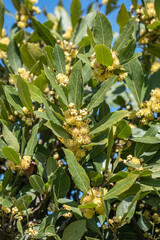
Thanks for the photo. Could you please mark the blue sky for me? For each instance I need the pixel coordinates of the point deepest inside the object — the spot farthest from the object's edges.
(50, 5)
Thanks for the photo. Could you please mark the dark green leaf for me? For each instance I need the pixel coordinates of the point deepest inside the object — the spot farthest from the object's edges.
(125, 36)
(75, 11)
(37, 183)
(44, 33)
(59, 59)
(14, 56)
(75, 86)
(61, 183)
(24, 93)
(121, 186)
(108, 121)
(123, 17)
(11, 154)
(32, 141)
(75, 230)
(10, 139)
(123, 130)
(78, 173)
(101, 93)
(102, 31)
(157, 7)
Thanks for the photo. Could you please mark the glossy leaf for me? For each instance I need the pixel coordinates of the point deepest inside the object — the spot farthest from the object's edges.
(103, 55)
(123, 17)
(102, 31)
(121, 186)
(10, 138)
(108, 121)
(78, 173)
(11, 154)
(37, 183)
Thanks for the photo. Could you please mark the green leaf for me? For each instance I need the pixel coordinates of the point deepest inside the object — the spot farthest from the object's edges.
(51, 77)
(63, 18)
(81, 28)
(75, 230)
(84, 59)
(59, 59)
(2, 11)
(121, 186)
(135, 79)
(123, 208)
(154, 25)
(88, 205)
(3, 110)
(11, 154)
(51, 167)
(123, 130)
(146, 139)
(78, 173)
(59, 131)
(41, 82)
(103, 55)
(125, 36)
(13, 98)
(37, 183)
(152, 182)
(23, 202)
(108, 121)
(44, 33)
(123, 17)
(50, 231)
(17, 4)
(14, 56)
(24, 93)
(32, 141)
(143, 223)
(7, 178)
(154, 49)
(10, 138)
(61, 183)
(102, 31)
(157, 7)
(101, 93)
(141, 148)
(75, 86)
(75, 11)
(109, 147)
(134, 2)
(19, 226)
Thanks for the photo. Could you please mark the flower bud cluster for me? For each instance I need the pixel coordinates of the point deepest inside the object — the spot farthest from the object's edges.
(68, 214)
(32, 232)
(135, 161)
(102, 73)
(24, 74)
(155, 66)
(79, 131)
(24, 165)
(70, 52)
(104, 2)
(94, 196)
(62, 79)
(3, 40)
(24, 14)
(148, 108)
(67, 35)
(28, 118)
(8, 210)
(147, 15)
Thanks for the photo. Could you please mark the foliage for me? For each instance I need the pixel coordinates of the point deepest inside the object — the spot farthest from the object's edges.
(79, 120)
